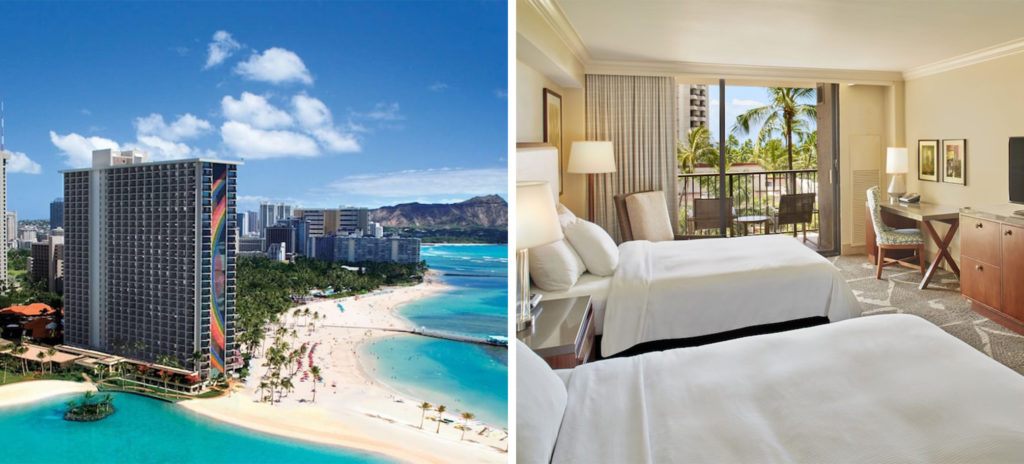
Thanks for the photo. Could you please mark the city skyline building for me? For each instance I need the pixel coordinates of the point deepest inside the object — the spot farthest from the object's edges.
(692, 104)
(272, 213)
(57, 213)
(354, 249)
(149, 259)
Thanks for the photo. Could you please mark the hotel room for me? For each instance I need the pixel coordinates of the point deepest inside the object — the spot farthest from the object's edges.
(854, 296)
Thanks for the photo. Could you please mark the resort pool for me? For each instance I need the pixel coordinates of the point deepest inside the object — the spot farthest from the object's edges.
(144, 430)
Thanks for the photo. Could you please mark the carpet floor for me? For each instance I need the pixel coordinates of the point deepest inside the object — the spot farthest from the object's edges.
(941, 303)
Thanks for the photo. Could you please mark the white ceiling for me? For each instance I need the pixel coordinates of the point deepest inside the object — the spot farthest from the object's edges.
(878, 35)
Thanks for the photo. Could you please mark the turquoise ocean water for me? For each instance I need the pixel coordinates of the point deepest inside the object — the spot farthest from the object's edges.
(144, 430)
(462, 376)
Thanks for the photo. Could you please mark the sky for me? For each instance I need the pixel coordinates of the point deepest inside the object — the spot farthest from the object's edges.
(326, 103)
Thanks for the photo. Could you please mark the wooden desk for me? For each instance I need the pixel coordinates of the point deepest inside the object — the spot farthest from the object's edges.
(926, 213)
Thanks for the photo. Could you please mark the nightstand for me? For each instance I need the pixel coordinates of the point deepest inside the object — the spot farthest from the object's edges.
(563, 332)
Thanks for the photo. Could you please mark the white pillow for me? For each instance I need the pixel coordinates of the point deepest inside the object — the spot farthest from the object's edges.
(565, 216)
(540, 403)
(594, 245)
(555, 266)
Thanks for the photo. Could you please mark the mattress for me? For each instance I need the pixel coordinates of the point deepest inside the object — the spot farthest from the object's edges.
(879, 389)
(691, 288)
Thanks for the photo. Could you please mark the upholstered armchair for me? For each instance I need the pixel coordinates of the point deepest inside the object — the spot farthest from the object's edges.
(645, 216)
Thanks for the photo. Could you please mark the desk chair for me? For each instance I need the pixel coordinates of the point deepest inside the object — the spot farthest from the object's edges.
(888, 238)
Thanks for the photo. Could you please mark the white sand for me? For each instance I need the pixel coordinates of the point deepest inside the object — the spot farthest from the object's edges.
(35, 390)
(358, 412)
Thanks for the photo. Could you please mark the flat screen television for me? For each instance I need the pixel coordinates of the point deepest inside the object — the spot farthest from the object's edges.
(1016, 170)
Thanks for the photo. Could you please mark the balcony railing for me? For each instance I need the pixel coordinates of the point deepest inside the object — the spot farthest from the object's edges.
(753, 193)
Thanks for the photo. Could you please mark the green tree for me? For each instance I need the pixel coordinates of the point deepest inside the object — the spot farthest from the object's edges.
(697, 149)
(315, 370)
(786, 106)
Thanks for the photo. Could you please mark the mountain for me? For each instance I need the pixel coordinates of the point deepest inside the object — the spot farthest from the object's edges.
(490, 211)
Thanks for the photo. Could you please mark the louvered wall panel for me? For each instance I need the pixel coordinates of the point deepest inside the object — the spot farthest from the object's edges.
(862, 181)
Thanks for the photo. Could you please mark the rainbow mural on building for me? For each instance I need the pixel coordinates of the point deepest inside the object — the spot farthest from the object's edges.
(218, 236)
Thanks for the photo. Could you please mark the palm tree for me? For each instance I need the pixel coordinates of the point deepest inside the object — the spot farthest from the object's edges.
(40, 356)
(5, 360)
(787, 106)
(425, 407)
(697, 149)
(18, 351)
(196, 357)
(287, 385)
(315, 370)
(466, 416)
(440, 410)
(263, 387)
(50, 352)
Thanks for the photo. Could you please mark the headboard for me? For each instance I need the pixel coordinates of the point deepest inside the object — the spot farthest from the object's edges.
(538, 161)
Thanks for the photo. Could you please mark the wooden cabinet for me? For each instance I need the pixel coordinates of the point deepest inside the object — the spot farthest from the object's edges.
(992, 267)
(1013, 271)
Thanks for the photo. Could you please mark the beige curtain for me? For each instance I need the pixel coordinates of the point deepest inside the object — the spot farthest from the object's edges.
(638, 114)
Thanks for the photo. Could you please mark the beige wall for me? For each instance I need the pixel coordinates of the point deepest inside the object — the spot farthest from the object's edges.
(530, 85)
(981, 103)
(544, 61)
(864, 128)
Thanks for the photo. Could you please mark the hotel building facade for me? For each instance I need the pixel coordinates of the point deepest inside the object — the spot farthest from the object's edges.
(149, 259)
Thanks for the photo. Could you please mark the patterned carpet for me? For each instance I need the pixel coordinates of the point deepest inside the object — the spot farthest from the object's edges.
(941, 304)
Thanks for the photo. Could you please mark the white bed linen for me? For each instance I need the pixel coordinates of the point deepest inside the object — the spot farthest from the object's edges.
(588, 284)
(877, 389)
(689, 288)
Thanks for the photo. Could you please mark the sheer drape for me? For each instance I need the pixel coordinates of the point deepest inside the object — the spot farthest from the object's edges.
(638, 114)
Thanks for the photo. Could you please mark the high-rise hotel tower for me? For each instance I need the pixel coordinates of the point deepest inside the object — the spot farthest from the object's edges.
(149, 259)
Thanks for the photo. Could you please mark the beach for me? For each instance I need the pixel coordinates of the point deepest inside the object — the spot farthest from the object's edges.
(353, 409)
(35, 390)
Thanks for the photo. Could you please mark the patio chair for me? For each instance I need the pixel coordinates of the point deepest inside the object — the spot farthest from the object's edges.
(888, 238)
(645, 216)
(706, 214)
(794, 209)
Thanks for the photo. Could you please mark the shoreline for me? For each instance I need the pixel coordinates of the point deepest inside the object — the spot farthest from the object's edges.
(353, 408)
(31, 391)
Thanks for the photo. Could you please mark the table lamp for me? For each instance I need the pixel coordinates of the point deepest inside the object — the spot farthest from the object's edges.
(536, 224)
(896, 164)
(591, 157)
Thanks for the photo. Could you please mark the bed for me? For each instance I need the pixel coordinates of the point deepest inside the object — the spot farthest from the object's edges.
(681, 293)
(691, 288)
(879, 389)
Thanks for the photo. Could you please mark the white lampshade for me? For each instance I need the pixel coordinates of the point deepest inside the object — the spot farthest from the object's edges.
(591, 157)
(536, 219)
(896, 160)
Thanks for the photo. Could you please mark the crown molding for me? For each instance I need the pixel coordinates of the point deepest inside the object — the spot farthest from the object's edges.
(555, 18)
(1004, 49)
(742, 72)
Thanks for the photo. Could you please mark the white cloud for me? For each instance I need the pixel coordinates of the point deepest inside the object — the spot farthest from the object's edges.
(222, 47)
(85, 111)
(335, 141)
(437, 86)
(315, 117)
(275, 65)
(385, 112)
(77, 150)
(417, 183)
(252, 143)
(186, 127)
(159, 149)
(738, 102)
(311, 112)
(20, 162)
(501, 93)
(255, 111)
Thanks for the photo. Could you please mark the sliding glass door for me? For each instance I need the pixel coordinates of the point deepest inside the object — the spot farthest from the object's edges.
(759, 160)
